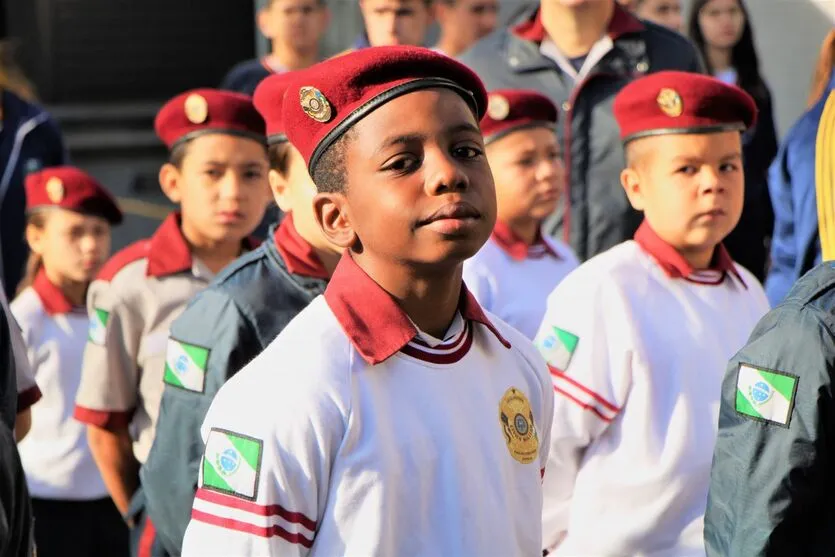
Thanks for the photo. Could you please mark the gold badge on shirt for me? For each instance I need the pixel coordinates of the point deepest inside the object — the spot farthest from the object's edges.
(516, 419)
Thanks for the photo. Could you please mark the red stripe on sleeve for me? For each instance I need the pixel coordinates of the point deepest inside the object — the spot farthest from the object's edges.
(104, 419)
(583, 405)
(254, 508)
(247, 528)
(557, 373)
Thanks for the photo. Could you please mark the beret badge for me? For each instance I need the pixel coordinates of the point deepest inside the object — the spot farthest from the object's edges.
(670, 103)
(55, 189)
(497, 107)
(314, 104)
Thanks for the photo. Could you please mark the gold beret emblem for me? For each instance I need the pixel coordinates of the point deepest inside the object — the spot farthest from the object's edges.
(315, 104)
(518, 427)
(55, 189)
(497, 107)
(196, 109)
(670, 103)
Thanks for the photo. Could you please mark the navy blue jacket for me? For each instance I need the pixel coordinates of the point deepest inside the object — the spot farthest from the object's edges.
(29, 141)
(236, 317)
(772, 485)
(245, 76)
(795, 245)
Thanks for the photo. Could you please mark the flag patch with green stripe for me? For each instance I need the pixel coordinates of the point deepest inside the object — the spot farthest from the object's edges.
(185, 365)
(766, 395)
(558, 347)
(232, 463)
(97, 331)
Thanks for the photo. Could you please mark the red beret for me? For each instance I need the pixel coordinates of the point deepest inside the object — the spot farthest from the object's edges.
(327, 99)
(68, 187)
(268, 98)
(512, 109)
(666, 103)
(204, 111)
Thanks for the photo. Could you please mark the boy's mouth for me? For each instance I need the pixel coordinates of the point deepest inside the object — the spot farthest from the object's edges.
(453, 211)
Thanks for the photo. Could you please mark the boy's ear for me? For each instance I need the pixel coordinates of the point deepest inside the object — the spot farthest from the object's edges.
(331, 212)
(169, 181)
(34, 237)
(630, 179)
(279, 186)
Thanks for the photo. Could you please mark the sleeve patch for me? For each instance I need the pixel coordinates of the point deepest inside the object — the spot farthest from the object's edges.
(185, 365)
(98, 326)
(232, 464)
(557, 347)
(765, 395)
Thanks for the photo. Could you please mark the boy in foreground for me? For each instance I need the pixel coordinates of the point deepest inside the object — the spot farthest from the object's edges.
(419, 424)
(638, 337)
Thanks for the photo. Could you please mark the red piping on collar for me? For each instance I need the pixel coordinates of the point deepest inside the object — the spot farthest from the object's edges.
(53, 299)
(297, 253)
(516, 248)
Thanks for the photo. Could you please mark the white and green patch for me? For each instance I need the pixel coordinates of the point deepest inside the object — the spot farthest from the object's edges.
(766, 395)
(185, 365)
(232, 463)
(97, 332)
(557, 347)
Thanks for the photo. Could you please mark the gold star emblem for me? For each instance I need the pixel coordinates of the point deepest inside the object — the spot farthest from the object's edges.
(315, 104)
(670, 103)
(55, 189)
(196, 109)
(497, 107)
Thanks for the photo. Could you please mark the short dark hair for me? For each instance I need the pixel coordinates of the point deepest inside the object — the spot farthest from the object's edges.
(329, 173)
(178, 154)
(279, 155)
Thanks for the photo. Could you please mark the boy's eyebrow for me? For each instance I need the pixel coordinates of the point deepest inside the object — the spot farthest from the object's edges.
(410, 137)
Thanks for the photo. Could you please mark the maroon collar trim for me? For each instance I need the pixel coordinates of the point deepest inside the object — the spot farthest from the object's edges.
(376, 326)
(297, 253)
(675, 266)
(622, 23)
(168, 251)
(53, 299)
(516, 248)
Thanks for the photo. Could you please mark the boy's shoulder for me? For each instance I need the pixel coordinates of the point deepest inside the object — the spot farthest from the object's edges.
(27, 309)
(618, 267)
(128, 263)
(519, 343)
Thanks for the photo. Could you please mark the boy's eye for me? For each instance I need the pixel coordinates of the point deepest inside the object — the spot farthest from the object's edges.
(213, 173)
(403, 163)
(252, 175)
(466, 152)
(687, 170)
(525, 162)
(728, 167)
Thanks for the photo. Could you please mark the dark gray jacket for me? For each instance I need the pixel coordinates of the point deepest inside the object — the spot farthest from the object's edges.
(771, 485)
(595, 208)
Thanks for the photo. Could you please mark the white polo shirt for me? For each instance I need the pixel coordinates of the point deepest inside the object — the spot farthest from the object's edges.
(55, 454)
(637, 342)
(354, 433)
(512, 279)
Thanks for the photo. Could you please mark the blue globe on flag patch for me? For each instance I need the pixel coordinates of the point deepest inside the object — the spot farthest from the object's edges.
(181, 365)
(229, 461)
(761, 392)
(548, 343)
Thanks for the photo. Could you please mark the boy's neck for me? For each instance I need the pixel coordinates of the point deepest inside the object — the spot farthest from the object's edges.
(291, 59)
(213, 254)
(576, 29)
(74, 291)
(449, 46)
(719, 58)
(328, 258)
(698, 258)
(430, 300)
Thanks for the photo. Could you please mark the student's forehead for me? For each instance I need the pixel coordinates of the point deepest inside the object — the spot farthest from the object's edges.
(222, 147)
(393, 4)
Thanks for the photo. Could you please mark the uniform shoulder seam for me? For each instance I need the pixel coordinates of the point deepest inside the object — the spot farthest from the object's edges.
(132, 253)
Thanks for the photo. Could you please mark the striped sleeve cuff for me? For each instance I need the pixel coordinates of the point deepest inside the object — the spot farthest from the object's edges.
(105, 419)
(25, 399)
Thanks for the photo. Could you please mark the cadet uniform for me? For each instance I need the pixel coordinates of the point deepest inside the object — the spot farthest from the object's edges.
(507, 276)
(143, 288)
(360, 451)
(19, 390)
(221, 330)
(71, 503)
(637, 341)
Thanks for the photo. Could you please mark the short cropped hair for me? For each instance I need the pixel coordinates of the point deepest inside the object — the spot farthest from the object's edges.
(329, 173)
(178, 154)
(279, 155)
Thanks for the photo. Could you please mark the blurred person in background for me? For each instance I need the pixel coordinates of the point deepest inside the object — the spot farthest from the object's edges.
(662, 12)
(294, 27)
(463, 23)
(29, 141)
(580, 53)
(393, 22)
(795, 246)
(722, 31)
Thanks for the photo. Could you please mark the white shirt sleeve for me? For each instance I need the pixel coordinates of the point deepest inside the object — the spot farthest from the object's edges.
(591, 372)
(27, 389)
(270, 439)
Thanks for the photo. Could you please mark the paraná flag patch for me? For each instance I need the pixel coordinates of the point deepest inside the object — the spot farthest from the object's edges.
(232, 463)
(185, 365)
(557, 347)
(97, 331)
(766, 395)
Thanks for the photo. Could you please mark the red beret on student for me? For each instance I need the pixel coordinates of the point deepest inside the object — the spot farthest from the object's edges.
(67, 187)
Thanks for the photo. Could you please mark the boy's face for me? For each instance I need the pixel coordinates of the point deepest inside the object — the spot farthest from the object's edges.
(294, 192)
(690, 187)
(418, 188)
(297, 23)
(221, 186)
(469, 19)
(528, 172)
(72, 245)
(662, 12)
(396, 22)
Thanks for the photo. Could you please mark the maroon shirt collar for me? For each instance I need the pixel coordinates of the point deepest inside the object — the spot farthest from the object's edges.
(675, 265)
(622, 22)
(169, 253)
(514, 246)
(376, 326)
(297, 253)
(53, 299)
